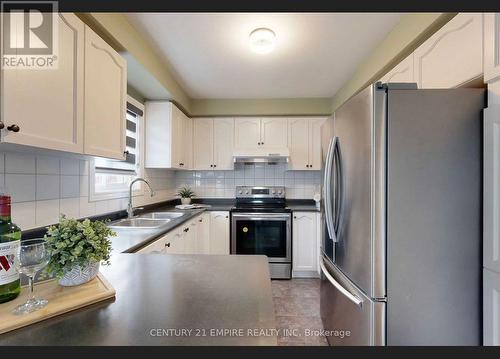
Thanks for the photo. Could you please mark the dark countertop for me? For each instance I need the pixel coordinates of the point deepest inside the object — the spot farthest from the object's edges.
(158, 292)
(302, 205)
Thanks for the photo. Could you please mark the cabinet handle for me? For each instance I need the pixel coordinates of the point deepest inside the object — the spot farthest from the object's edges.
(294, 217)
(262, 143)
(1, 125)
(167, 244)
(13, 128)
(126, 152)
(211, 165)
(186, 229)
(215, 165)
(181, 164)
(227, 216)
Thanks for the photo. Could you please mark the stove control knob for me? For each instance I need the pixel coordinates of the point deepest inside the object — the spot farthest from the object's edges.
(279, 193)
(247, 192)
(273, 191)
(240, 192)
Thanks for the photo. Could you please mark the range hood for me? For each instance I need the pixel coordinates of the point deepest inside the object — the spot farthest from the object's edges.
(261, 155)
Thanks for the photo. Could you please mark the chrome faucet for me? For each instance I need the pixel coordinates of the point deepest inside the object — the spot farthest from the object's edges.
(130, 209)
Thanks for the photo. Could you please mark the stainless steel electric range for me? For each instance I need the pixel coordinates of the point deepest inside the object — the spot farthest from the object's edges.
(261, 224)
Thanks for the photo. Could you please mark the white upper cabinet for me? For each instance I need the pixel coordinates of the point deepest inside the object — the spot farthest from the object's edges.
(203, 143)
(273, 132)
(247, 132)
(453, 55)
(491, 46)
(315, 144)
(187, 138)
(47, 105)
(304, 142)
(223, 143)
(251, 133)
(105, 98)
(298, 135)
(402, 72)
(168, 136)
(213, 143)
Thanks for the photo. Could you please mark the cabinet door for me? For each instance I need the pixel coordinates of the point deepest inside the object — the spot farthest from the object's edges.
(191, 246)
(315, 144)
(158, 246)
(47, 105)
(177, 146)
(176, 242)
(273, 132)
(223, 143)
(491, 46)
(246, 133)
(304, 242)
(402, 72)
(298, 139)
(187, 137)
(491, 308)
(203, 143)
(202, 234)
(453, 55)
(105, 98)
(491, 185)
(219, 232)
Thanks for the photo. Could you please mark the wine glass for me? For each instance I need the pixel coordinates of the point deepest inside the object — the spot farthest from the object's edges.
(32, 256)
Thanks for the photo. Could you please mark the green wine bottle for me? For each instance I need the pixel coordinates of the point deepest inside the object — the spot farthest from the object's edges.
(10, 239)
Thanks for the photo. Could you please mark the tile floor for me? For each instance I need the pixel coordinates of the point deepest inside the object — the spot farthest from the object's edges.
(296, 305)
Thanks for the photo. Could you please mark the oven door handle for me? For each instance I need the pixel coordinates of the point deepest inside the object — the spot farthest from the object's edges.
(262, 217)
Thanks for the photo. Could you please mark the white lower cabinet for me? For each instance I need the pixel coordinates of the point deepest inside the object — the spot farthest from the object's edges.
(491, 307)
(219, 232)
(305, 236)
(203, 234)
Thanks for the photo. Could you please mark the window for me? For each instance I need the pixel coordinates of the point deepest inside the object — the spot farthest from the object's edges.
(111, 178)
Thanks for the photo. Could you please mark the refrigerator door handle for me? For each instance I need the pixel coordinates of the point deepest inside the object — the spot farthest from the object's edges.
(327, 190)
(340, 190)
(341, 289)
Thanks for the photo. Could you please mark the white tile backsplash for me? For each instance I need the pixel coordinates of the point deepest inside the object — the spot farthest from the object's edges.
(70, 207)
(299, 184)
(20, 163)
(70, 166)
(47, 165)
(47, 187)
(47, 212)
(70, 186)
(44, 186)
(23, 214)
(21, 187)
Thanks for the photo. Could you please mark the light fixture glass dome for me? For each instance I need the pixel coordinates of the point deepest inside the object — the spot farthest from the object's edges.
(262, 40)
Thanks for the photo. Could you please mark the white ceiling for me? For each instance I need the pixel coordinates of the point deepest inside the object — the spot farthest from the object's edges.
(316, 53)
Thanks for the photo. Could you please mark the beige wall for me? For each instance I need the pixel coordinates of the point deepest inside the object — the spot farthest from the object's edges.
(270, 107)
(412, 30)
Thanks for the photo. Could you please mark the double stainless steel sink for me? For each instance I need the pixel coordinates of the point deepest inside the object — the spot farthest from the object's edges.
(147, 221)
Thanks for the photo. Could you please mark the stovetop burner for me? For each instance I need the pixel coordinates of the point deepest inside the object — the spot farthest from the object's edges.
(260, 199)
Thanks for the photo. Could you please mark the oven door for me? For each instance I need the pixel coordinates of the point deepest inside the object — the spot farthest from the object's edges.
(262, 233)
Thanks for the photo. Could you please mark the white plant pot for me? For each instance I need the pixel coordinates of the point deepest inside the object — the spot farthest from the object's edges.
(79, 275)
(186, 200)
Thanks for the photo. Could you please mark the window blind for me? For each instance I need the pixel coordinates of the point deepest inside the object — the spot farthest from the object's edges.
(130, 164)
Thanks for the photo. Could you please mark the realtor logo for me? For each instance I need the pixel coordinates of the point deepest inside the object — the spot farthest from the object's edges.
(29, 34)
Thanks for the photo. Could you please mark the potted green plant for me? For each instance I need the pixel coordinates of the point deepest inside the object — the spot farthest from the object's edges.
(77, 248)
(186, 194)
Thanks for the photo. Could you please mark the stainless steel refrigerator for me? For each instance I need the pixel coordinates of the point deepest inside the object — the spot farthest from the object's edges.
(402, 216)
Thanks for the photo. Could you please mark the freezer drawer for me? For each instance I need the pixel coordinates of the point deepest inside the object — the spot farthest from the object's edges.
(349, 317)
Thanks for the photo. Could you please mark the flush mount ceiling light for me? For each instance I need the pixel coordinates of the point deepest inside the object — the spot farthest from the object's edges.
(262, 40)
